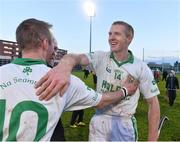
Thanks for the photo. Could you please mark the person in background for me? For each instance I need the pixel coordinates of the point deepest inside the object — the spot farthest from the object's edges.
(172, 84)
(164, 75)
(86, 73)
(114, 122)
(157, 75)
(94, 79)
(77, 119)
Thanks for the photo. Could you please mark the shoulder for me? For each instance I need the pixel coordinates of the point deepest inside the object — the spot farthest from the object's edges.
(140, 64)
(140, 69)
(100, 53)
(103, 54)
(7, 67)
(139, 61)
(6, 71)
(97, 55)
(75, 82)
(73, 78)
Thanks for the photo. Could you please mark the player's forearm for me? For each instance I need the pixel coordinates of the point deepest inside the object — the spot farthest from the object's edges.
(110, 98)
(69, 61)
(129, 89)
(153, 120)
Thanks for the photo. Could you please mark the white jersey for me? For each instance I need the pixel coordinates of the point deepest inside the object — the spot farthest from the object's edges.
(22, 115)
(110, 77)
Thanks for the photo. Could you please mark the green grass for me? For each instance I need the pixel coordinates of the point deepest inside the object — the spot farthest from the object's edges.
(169, 132)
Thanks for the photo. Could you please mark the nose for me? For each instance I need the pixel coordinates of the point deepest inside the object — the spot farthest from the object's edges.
(111, 36)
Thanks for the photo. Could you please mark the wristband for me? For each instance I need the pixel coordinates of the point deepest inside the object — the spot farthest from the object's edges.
(125, 92)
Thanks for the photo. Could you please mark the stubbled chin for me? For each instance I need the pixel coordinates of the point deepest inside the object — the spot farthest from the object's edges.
(113, 49)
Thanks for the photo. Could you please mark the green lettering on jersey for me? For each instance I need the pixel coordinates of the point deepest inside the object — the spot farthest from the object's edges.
(154, 82)
(117, 76)
(118, 88)
(95, 97)
(6, 84)
(88, 88)
(109, 87)
(2, 117)
(104, 84)
(16, 115)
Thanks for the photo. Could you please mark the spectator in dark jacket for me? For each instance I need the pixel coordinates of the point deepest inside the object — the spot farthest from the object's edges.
(86, 73)
(164, 75)
(172, 84)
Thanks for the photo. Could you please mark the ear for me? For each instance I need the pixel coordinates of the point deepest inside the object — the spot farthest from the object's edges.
(129, 39)
(45, 44)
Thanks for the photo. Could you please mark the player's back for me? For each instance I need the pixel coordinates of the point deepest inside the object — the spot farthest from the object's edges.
(23, 115)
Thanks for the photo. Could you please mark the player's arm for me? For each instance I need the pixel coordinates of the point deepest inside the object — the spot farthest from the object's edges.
(129, 88)
(153, 118)
(58, 78)
(79, 96)
(149, 89)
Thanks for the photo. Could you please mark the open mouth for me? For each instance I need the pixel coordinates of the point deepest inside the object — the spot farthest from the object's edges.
(113, 43)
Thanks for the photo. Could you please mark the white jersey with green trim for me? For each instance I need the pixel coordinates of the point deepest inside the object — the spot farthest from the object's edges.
(110, 77)
(23, 116)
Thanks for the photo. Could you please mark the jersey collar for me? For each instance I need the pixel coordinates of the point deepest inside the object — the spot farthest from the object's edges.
(130, 59)
(28, 61)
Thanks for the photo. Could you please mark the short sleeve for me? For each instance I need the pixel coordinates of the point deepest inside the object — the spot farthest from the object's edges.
(95, 59)
(148, 86)
(79, 96)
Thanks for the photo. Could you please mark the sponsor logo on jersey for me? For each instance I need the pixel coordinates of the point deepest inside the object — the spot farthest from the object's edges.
(88, 88)
(95, 97)
(154, 82)
(108, 87)
(108, 69)
(154, 90)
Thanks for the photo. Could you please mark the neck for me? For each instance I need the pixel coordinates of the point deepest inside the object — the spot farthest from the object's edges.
(33, 55)
(121, 56)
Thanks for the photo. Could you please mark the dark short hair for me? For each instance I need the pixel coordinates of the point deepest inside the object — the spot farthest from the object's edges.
(129, 29)
(30, 33)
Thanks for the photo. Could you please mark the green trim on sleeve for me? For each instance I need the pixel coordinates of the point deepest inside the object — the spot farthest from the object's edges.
(130, 59)
(28, 61)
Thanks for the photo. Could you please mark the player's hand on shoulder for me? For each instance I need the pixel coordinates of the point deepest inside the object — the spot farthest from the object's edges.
(55, 81)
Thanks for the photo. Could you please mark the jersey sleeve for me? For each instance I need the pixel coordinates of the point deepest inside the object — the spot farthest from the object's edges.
(148, 86)
(79, 96)
(95, 59)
